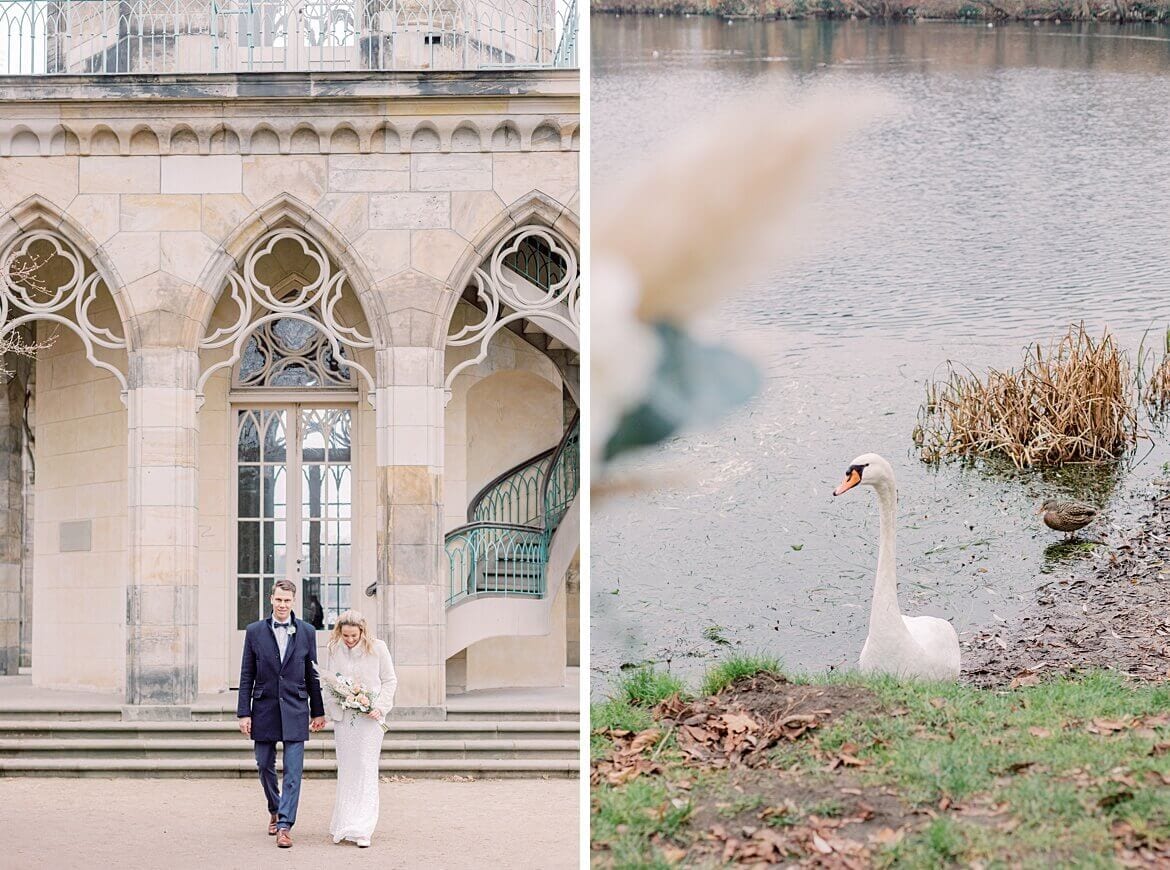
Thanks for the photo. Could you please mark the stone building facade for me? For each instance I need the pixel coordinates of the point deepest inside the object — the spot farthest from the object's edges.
(290, 324)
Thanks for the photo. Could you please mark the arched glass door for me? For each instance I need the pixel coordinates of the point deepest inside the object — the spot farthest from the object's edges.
(294, 512)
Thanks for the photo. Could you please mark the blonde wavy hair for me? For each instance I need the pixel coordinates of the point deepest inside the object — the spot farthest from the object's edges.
(355, 619)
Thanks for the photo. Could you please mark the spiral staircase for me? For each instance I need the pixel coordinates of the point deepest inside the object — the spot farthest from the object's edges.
(503, 549)
(507, 564)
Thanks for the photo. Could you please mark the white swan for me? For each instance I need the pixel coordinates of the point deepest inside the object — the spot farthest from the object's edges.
(906, 646)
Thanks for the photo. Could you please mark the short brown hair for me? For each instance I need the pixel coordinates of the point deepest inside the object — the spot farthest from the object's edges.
(286, 585)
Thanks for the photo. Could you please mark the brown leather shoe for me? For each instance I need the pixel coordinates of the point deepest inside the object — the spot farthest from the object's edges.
(272, 825)
(284, 839)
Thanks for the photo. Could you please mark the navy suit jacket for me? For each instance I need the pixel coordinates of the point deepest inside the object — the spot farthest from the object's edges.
(279, 696)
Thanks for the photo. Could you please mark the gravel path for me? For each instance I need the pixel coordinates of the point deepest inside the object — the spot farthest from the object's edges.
(204, 823)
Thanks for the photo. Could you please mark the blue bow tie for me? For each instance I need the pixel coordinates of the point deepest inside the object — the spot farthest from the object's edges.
(281, 624)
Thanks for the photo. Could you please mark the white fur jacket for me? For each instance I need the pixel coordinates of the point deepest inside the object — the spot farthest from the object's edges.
(374, 670)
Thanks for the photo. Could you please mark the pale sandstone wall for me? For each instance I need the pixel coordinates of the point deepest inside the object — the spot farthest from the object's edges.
(511, 415)
(521, 661)
(79, 635)
(508, 352)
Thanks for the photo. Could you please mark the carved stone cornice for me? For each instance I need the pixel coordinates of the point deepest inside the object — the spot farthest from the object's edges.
(282, 113)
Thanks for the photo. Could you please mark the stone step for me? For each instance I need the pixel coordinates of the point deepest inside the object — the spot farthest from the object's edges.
(208, 713)
(61, 729)
(500, 713)
(102, 713)
(241, 749)
(228, 767)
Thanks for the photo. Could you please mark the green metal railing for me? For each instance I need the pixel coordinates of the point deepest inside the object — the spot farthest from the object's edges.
(497, 559)
(564, 476)
(515, 496)
(495, 555)
(534, 259)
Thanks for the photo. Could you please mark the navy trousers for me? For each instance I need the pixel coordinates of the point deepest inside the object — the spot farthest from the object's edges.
(284, 801)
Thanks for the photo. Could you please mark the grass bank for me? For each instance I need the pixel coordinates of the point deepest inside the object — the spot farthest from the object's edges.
(854, 771)
(1037, 10)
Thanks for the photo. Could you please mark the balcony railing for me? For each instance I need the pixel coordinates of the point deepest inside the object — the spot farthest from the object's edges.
(101, 37)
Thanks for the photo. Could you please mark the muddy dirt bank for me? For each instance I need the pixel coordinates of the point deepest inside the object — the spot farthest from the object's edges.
(1106, 606)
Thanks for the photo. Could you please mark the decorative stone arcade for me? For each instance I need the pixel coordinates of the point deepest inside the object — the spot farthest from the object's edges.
(206, 254)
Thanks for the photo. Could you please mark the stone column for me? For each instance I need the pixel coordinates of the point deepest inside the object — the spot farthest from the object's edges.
(162, 590)
(412, 576)
(11, 522)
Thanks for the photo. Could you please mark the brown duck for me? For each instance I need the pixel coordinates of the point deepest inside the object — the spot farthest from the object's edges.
(1067, 516)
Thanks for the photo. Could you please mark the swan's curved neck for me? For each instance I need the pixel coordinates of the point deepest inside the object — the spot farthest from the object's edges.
(884, 610)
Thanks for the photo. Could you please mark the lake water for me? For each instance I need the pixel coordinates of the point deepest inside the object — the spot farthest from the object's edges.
(1022, 185)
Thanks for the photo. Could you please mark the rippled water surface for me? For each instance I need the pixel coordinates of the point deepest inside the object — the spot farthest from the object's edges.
(1022, 184)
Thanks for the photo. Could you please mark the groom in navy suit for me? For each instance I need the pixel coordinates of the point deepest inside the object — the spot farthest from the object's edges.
(279, 691)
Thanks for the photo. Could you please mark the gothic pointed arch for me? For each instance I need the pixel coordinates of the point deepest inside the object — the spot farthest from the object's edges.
(285, 270)
(523, 269)
(52, 270)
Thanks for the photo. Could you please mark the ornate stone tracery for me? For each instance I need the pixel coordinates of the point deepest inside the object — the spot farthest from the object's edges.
(44, 277)
(269, 310)
(289, 353)
(531, 274)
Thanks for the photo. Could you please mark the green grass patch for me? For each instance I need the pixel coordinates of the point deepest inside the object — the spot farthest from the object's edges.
(727, 672)
(645, 687)
(627, 819)
(628, 707)
(1055, 771)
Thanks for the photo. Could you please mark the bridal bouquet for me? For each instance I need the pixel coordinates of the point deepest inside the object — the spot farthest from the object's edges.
(350, 694)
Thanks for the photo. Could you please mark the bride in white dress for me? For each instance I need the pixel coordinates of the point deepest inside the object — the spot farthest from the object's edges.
(358, 736)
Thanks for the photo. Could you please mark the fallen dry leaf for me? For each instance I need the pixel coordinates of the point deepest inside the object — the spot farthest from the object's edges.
(887, 836)
(820, 845)
(642, 740)
(845, 760)
(1108, 726)
(736, 722)
(672, 854)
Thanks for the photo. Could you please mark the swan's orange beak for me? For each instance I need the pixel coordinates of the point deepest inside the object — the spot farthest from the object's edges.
(852, 478)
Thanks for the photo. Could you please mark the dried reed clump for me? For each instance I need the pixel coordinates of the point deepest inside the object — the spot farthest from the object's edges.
(1074, 402)
(1156, 392)
(1156, 388)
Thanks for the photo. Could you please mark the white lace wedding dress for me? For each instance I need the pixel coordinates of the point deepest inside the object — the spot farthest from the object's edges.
(358, 740)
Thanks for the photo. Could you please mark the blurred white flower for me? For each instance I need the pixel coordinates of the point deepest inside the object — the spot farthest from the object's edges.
(712, 211)
(728, 199)
(623, 350)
